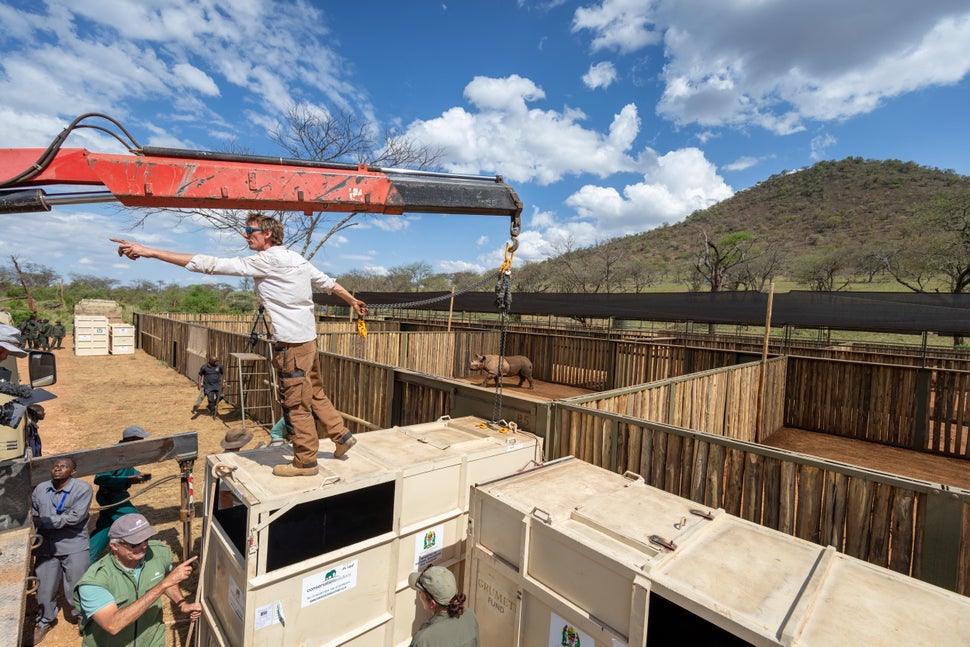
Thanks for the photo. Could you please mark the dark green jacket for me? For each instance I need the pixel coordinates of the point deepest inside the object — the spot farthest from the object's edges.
(149, 629)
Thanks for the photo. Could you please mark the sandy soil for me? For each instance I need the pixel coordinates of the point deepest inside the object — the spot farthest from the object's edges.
(904, 462)
(97, 397)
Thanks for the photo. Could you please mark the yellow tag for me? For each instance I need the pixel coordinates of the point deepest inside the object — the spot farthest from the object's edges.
(361, 328)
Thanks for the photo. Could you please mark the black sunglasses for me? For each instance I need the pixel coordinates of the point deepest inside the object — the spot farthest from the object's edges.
(250, 230)
(418, 583)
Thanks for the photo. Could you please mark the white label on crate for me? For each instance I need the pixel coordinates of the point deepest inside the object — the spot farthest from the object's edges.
(565, 634)
(270, 614)
(322, 585)
(84, 337)
(428, 546)
(235, 598)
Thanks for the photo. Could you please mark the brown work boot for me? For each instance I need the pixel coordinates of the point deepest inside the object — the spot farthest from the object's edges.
(344, 447)
(292, 470)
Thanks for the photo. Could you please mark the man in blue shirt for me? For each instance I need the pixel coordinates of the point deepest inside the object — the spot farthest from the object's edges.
(60, 511)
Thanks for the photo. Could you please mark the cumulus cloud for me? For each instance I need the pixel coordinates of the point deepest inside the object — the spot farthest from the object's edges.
(738, 64)
(526, 144)
(600, 75)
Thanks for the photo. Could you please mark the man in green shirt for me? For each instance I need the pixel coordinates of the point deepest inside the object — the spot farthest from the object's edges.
(119, 597)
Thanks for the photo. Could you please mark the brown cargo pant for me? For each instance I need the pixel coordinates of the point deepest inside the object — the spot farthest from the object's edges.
(310, 412)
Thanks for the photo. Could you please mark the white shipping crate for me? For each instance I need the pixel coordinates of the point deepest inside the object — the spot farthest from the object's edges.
(594, 564)
(122, 330)
(324, 560)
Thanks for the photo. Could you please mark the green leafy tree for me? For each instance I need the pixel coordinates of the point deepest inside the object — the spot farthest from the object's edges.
(718, 258)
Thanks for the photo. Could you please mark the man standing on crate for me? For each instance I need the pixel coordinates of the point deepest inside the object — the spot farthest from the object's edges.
(284, 283)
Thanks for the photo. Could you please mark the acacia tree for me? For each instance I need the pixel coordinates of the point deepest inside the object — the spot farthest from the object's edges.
(716, 260)
(938, 246)
(307, 132)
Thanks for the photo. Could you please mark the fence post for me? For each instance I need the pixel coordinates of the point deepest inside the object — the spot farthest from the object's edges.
(941, 540)
(921, 422)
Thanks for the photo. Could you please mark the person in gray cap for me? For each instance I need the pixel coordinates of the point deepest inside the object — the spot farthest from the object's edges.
(112, 495)
(119, 597)
(10, 342)
(450, 624)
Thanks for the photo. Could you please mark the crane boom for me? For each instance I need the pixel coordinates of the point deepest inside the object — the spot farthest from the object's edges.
(200, 179)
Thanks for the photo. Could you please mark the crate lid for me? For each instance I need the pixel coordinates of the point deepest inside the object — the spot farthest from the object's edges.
(738, 575)
(858, 603)
(555, 488)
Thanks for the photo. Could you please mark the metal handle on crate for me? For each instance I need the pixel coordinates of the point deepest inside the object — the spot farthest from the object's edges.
(35, 541)
(541, 515)
(31, 584)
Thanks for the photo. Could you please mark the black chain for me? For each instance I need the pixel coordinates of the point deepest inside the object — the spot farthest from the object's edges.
(503, 301)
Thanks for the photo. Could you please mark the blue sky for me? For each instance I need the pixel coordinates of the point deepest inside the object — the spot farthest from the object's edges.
(608, 117)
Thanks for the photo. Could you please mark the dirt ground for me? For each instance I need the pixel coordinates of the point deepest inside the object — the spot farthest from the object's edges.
(542, 390)
(97, 397)
(917, 465)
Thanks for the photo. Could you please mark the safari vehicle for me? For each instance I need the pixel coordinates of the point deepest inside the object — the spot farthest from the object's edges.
(15, 397)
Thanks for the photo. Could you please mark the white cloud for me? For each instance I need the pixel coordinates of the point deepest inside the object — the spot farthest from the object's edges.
(113, 56)
(527, 145)
(741, 163)
(391, 223)
(460, 266)
(820, 144)
(482, 241)
(600, 75)
(618, 24)
(736, 64)
(678, 184)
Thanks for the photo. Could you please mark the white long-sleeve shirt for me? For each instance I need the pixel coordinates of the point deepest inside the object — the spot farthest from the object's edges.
(284, 283)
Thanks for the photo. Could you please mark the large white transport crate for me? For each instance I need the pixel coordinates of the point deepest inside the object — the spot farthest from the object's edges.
(572, 554)
(90, 335)
(324, 560)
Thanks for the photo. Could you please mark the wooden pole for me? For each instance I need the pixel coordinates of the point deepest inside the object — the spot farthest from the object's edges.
(758, 431)
(451, 307)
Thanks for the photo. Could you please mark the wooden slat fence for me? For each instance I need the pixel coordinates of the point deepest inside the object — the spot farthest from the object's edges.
(911, 526)
(903, 406)
(721, 401)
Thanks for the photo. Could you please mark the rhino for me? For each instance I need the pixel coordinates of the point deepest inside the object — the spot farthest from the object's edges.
(511, 365)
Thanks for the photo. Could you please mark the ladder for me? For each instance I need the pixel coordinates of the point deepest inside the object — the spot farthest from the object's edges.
(250, 372)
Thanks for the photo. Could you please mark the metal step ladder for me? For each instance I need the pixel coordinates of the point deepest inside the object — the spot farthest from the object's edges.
(249, 372)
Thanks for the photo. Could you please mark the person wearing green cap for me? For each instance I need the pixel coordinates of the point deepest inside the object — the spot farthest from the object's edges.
(450, 624)
(112, 496)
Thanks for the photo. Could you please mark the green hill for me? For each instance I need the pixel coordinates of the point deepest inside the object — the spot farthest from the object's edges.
(820, 227)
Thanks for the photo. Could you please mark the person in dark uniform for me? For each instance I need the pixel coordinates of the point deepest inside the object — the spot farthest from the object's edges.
(57, 335)
(210, 381)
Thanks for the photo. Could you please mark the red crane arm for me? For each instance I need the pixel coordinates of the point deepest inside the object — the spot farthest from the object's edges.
(198, 179)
